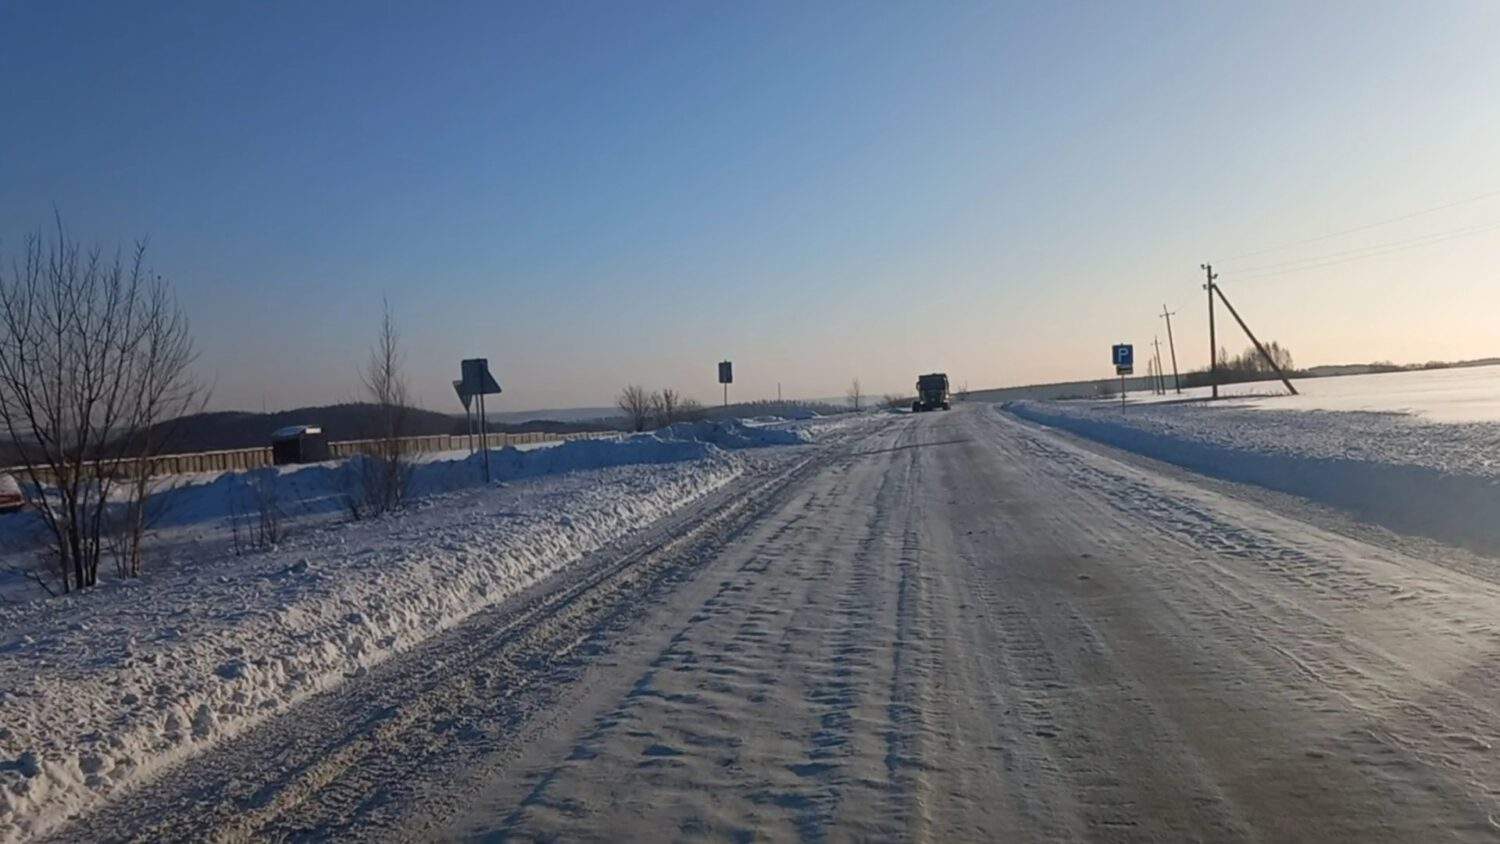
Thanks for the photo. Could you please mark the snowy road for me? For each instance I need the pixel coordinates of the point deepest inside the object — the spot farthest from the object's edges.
(960, 627)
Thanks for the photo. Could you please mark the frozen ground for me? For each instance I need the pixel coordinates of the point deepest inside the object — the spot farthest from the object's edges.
(1464, 394)
(101, 690)
(1440, 480)
(939, 627)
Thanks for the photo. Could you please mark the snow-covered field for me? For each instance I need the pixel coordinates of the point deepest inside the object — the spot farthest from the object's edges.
(1401, 470)
(1464, 394)
(102, 688)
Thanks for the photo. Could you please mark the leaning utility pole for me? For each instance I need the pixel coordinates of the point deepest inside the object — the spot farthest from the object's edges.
(1213, 347)
(1167, 315)
(1258, 347)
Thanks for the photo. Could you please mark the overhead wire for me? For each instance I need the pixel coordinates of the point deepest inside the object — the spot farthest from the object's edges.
(1376, 250)
(1367, 226)
(1356, 249)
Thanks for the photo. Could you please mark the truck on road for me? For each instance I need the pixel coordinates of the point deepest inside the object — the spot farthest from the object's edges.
(932, 392)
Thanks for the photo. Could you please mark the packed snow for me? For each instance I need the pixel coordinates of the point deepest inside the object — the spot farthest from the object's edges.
(1439, 480)
(733, 435)
(1461, 394)
(99, 689)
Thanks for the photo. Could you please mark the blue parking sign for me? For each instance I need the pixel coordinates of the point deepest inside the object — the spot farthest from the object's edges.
(1124, 358)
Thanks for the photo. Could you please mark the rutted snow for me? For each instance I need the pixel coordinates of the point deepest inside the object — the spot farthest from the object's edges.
(1414, 476)
(99, 689)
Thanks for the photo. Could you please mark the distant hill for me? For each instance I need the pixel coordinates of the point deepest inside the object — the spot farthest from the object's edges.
(561, 414)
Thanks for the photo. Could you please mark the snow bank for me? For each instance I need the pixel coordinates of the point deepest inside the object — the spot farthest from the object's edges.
(100, 689)
(10, 493)
(320, 488)
(733, 434)
(1439, 481)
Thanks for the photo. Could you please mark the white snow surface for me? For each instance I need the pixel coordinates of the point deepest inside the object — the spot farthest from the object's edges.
(1460, 394)
(735, 434)
(99, 689)
(1439, 480)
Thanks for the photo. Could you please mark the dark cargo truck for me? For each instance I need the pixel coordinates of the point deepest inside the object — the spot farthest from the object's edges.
(932, 392)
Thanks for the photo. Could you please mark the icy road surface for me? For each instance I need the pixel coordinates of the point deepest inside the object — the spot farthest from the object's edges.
(961, 627)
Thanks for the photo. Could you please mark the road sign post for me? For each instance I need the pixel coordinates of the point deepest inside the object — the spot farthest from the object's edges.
(1123, 355)
(468, 400)
(726, 377)
(477, 381)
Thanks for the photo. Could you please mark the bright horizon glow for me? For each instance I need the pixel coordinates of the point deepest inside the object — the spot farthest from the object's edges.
(598, 194)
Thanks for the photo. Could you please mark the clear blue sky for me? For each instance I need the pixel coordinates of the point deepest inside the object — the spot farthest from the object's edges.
(592, 194)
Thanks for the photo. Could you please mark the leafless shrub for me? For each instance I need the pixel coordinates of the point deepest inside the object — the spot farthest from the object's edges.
(256, 513)
(855, 394)
(636, 403)
(962, 393)
(94, 360)
(378, 480)
(895, 401)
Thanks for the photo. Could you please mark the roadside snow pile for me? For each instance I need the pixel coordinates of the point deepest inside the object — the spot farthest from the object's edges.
(10, 493)
(1435, 480)
(733, 434)
(320, 488)
(514, 464)
(100, 689)
(324, 489)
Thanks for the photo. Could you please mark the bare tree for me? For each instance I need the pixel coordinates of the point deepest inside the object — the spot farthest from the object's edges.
(856, 394)
(382, 474)
(689, 410)
(667, 404)
(963, 391)
(636, 403)
(94, 360)
(1251, 363)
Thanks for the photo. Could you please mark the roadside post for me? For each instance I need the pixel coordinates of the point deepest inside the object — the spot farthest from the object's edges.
(1123, 355)
(468, 400)
(726, 377)
(478, 381)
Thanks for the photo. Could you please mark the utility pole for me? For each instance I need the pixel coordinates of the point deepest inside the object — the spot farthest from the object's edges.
(1213, 346)
(1167, 315)
(1161, 381)
(778, 392)
(1258, 347)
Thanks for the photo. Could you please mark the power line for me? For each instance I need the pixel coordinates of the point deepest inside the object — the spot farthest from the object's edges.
(1366, 226)
(1369, 248)
(1361, 253)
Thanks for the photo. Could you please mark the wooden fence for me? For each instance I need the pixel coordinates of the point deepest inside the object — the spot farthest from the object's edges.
(239, 459)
